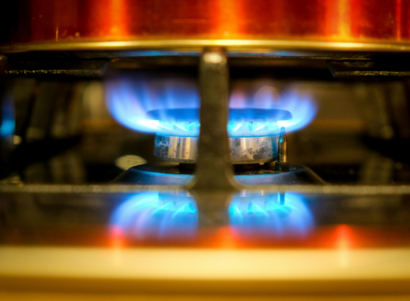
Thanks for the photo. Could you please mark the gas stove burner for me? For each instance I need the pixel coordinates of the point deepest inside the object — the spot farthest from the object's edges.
(246, 146)
(246, 150)
(258, 160)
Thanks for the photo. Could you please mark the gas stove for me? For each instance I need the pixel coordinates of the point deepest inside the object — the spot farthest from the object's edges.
(228, 149)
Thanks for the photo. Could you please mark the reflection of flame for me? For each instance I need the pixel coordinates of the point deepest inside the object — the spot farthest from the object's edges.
(156, 215)
(7, 118)
(268, 214)
(130, 99)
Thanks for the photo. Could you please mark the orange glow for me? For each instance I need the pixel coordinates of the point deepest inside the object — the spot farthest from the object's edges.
(301, 20)
(229, 15)
(398, 18)
(117, 244)
(226, 238)
(117, 18)
(343, 244)
(117, 237)
(337, 19)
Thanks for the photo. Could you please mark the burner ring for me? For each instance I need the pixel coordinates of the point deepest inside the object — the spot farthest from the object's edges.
(243, 150)
(236, 115)
(242, 122)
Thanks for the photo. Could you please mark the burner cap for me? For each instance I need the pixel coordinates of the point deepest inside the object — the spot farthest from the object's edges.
(192, 115)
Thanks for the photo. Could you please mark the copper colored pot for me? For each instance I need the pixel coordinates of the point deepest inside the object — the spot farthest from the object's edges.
(120, 24)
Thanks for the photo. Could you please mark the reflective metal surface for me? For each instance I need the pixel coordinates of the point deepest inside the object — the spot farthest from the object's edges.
(254, 149)
(177, 149)
(168, 175)
(246, 150)
(162, 216)
(76, 218)
(217, 22)
(143, 239)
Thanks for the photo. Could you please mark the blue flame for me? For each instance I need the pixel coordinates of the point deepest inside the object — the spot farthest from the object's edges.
(246, 129)
(129, 99)
(157, 215)
(266, 214)
(303, 110)
(7, 117)
(265, 96)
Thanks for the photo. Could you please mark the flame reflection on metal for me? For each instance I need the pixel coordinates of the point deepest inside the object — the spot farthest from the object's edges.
(7, 117)
(153, 215)
(272, 214)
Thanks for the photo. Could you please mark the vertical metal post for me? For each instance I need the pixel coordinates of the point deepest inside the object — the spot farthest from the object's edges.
(213, 184)
(213, 168)
(282, 164)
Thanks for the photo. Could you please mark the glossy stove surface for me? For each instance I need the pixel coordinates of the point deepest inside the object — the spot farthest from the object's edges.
(172, 174)
(171, 242)
(249, 219)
